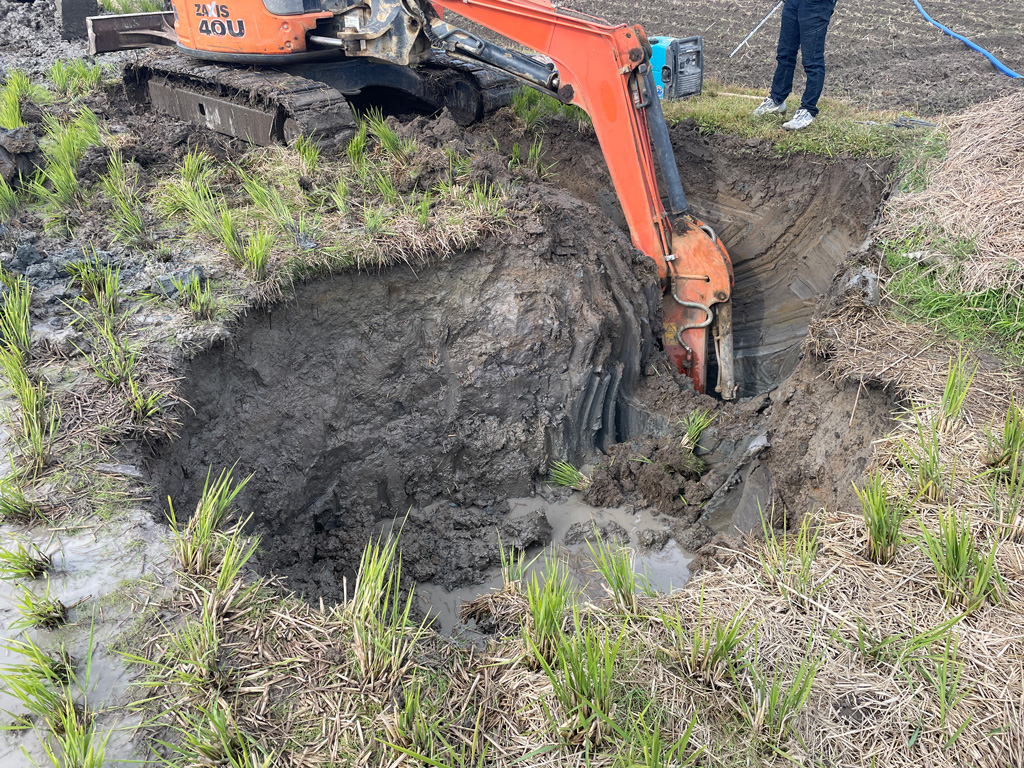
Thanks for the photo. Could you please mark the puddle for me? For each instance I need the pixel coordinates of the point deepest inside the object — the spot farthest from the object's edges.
(95, 569)
(665, 569)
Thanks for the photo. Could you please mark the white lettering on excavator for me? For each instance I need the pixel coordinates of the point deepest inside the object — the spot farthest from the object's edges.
(216, 21)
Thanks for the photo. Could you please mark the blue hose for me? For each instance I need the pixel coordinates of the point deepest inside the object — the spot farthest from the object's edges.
(995, 62)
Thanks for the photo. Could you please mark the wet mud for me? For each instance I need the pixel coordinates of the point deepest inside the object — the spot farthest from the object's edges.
(426, 399)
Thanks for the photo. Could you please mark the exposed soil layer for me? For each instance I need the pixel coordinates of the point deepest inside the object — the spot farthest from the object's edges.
(371, 393)
(879, 54)
(787, 222)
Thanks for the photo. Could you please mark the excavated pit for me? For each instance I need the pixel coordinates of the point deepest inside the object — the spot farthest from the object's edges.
(443, 391)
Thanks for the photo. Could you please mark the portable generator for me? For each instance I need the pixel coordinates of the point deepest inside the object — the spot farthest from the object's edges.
(678, 66)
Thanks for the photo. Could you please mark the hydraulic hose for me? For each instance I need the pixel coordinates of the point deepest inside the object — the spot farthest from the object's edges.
(973, 46)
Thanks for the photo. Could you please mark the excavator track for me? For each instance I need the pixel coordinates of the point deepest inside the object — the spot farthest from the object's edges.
(276, 105)
(263, 106)
(470, 91)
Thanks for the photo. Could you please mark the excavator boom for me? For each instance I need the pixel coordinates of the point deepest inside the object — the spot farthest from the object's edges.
(604, 69)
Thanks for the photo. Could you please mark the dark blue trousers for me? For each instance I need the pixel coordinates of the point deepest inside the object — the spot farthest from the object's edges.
(804, 25)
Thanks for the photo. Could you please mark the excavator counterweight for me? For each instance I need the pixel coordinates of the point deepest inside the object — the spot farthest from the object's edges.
(302, 58)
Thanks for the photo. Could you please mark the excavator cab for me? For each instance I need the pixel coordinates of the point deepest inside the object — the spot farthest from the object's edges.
(315, 54)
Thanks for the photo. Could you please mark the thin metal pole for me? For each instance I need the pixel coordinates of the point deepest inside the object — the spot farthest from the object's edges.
(744, 40)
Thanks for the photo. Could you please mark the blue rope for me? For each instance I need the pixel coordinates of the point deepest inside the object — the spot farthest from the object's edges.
(995, 62)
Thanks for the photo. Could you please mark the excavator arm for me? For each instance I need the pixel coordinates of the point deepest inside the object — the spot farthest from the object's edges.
(605, 70)
(601, 68)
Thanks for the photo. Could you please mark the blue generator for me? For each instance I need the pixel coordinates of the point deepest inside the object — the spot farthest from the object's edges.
(678, 66)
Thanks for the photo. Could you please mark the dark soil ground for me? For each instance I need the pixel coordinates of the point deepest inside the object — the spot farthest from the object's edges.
(879, 54)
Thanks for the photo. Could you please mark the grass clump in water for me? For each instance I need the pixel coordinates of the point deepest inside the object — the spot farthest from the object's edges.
(14, 507)
(23, 562)
(43, 611)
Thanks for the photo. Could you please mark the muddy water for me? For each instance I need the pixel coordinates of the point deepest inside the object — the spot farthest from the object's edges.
(665, 569)
(98, 568)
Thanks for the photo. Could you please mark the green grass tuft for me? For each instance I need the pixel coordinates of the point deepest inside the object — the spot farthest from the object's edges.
(8, 201)
(695, 423)
(125, 203)
(198, 546)
(14, 507)
(582, 677)
(788, 560)
(548, 599)
(384, 635)
(883, 517)
(74, 78)
(616, 566)
(967, 578)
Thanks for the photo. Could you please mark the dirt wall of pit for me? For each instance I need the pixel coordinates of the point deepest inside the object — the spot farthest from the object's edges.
(788, 223)
(368, 394)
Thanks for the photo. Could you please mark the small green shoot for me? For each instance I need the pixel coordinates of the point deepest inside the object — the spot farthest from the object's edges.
(776, 700)
(99, 281)
(8, 201)
(921, 458)
(954, 394)
(710, 647)
(695, 423)
(788, 560)
(309, 153)
(196, 296)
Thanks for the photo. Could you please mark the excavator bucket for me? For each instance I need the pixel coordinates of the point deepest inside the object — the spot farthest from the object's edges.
(698, 303)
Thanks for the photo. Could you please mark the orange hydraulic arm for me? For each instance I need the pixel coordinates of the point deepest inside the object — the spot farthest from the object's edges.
(602, 69)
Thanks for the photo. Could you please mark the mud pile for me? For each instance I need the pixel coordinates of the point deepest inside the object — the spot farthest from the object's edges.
(30, 40)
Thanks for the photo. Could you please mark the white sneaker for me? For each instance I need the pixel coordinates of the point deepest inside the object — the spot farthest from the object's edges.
(770, 107)
(800, 120)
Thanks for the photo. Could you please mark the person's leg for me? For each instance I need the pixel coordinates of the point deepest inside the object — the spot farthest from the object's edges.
(789, 44)
(814, 18)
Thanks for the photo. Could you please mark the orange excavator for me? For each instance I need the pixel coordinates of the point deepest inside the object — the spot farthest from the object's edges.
(271, 70)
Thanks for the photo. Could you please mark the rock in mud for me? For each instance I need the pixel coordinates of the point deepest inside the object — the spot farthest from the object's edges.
(526, 530)
(652, 539)
(587, 532)
(19, 154)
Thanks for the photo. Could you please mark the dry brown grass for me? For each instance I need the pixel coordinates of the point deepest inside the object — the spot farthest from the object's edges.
(976, 195)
